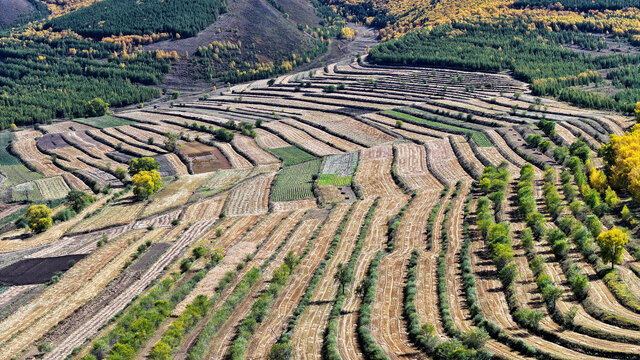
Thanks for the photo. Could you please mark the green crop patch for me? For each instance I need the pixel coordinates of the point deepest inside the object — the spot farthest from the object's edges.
(106, 121)
(480, 138)
(5, 157)
(295, 182)
(291, 155)
(335, 180)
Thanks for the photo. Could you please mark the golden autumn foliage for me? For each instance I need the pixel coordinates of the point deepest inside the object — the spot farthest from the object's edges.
(612, 245)
(39, 218)
(622, 155)
(146, 183)
(598, 180)
(347, 33)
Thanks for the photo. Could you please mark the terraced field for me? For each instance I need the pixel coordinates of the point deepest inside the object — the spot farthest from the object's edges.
(384, 219)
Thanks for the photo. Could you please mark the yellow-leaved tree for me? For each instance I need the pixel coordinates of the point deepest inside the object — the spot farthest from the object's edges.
(598, 180)
(622, 156)
(146, 183)
(612, 245)
(39, 218)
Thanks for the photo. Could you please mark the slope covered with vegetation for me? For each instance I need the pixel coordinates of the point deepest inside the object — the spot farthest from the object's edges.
(131, 17)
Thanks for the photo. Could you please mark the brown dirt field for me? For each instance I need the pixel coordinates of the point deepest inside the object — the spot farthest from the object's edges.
(204, 158)
(251, 197)
(307, 337)
(301, 139)
(283, 308)
(255, 152)
(35, 270)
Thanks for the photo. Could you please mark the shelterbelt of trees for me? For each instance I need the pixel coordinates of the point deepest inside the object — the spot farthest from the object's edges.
(534, 54)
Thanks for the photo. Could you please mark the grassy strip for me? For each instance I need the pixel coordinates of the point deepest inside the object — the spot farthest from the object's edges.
(5, 157)
(335, 180)
(477, 136)
(330, 342)
(291, 155)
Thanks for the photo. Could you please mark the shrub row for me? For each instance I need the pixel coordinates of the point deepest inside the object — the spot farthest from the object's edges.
(261, 306)
(330, 341)
(222, 314)
(368, 344)
(394, 222)
(306, 298)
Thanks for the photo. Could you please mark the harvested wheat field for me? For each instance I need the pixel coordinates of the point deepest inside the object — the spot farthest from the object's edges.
(358, 212)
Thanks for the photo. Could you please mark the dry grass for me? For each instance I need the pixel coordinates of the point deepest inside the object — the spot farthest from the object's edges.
(175, 194)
